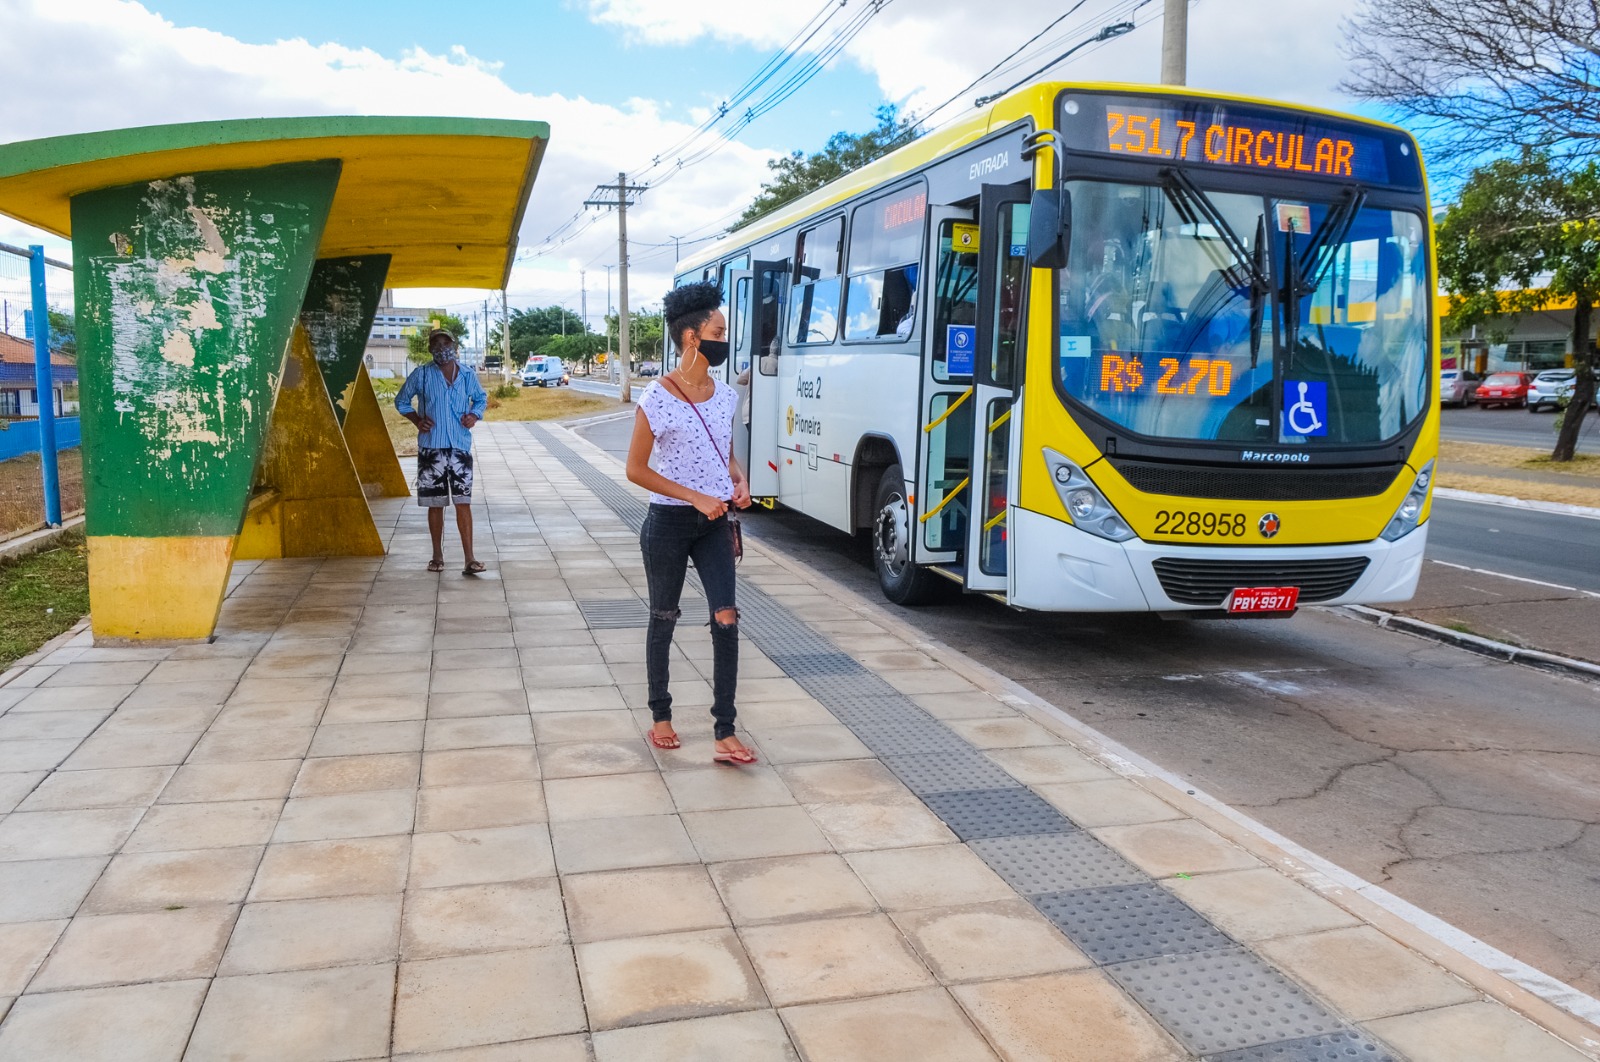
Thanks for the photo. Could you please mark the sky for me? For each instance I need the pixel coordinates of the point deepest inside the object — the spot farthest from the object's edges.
(619, 82)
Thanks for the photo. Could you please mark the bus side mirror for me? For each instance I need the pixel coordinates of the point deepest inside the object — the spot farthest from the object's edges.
(1049, 228)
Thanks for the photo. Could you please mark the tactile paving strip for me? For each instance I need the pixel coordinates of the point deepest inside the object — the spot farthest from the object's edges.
(905, 734)
(809, 665)
(1056, 862)
(948, 772)
(1345, 1046)
(1223, 1000)
(1005, 812)
(614, 613)
(1126, 922)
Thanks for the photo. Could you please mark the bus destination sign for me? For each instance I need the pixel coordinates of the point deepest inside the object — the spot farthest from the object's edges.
(1236, 137)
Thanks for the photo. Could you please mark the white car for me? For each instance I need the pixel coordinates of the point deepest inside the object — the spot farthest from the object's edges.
(1551, 388)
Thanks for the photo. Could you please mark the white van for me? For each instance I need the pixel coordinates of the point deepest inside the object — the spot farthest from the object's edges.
(544, 371)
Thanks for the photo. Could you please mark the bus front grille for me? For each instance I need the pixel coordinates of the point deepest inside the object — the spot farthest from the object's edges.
(1255, 484)
(1208, 582)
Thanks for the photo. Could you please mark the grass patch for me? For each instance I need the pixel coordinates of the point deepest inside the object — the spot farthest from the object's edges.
(41, 596)
(1577, 494)
(1522, 458)
(22, 490)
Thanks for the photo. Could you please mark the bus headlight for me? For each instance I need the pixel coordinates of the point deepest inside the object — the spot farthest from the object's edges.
(1085, 504)
(1405, 518)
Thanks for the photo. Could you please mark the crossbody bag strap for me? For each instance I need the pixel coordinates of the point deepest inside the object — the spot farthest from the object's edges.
(711, 438)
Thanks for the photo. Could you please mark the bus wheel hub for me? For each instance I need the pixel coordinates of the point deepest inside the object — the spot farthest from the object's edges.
(893, 538)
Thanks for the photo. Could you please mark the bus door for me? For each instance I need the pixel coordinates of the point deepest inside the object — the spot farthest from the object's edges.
(1002, 304)
(943, 489)
(756, 313)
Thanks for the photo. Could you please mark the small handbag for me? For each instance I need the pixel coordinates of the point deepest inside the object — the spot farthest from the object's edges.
(734, 529)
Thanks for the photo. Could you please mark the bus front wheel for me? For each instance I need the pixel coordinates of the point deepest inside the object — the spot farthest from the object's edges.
(902, 581)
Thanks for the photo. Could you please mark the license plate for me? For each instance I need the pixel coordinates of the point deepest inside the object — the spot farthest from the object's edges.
(1264, 599)
(1494, 394)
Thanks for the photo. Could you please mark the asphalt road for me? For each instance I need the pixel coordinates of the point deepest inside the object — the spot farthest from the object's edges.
(1470, 788)
(1550, 547)
(1513, 427)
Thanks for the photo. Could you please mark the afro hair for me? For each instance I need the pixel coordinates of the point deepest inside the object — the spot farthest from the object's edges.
(689, 307)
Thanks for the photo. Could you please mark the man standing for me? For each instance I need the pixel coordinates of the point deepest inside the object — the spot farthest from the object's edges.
(452, 402)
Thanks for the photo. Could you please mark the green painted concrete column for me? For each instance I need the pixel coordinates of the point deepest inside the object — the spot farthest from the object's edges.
(339, 308)
(188, 290)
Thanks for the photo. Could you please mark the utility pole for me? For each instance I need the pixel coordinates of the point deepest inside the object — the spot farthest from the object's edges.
(1175, 42)
(618, 195)
(583, 297)
(505, 338)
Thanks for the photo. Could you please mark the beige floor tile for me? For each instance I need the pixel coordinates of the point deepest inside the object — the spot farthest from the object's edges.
(38, 890)
(116, 748)
(590, 699)
(74, 698)
(261, 690)
(357, 774)
(639, 980)
(717, 788)
(344, 708)
(607, 796)
(906, 879)
(477, 918)
(117, 787)
(478, 857)
(268, 715)
(926, 1026)
(768, 689)
(158, 880)
(336, 1014)
(478, 732)
(552, 728)
(468, 807)
(477, 703)
(401, 684)
(168, 719)
(65, 834)
(789, 888)
(469, 1000)
(1162, 849)
(385, 663)
(118, 674)
(23, 947)
(980, 942)
(807, 744)
(935, 681)
(100, 950)
(1260, 904)
(15, 787)
(573, 1048)
(765, 715)
(1470, 1032)
(1365, 974)
(1066, 1017)
(1001, 733)
(221, 824)
(1049, 764)
(304, 934)
(217, 669)
(488, 678)
(870, 826)
(751, 833)
(179, 695)
(254, 780)
(238, 746)
(1117, 802)
(635, 903)
(749, 1036)
(332, 868)
(324, 818)
(583, 758)
(367, 739)
(962, 706)
(620, 843)
(830, 959)
(50, 726)
(479, 766)
(848, 781)
(137, 1022)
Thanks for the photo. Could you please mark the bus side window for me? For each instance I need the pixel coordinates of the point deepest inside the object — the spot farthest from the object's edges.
(769, 318)
(955, 294)
(885, 261)
(814, 302)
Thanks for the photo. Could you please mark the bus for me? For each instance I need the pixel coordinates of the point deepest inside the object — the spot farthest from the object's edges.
(1103, 348)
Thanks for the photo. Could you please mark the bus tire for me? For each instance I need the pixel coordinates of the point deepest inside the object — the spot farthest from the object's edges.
(901, 581)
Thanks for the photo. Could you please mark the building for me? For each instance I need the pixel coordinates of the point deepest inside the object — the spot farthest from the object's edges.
(391, 326)
(1540, 340)
(19, 394)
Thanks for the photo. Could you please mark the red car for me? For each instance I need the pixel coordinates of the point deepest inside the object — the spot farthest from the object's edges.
(1504, 389)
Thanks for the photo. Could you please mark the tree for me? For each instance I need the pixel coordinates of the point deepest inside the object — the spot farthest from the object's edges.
(1522, 222)
(417, 342)
(1475, 75)
(575, 347)
(532, 328)
(644, 334)
(63, 334)
(797, 174)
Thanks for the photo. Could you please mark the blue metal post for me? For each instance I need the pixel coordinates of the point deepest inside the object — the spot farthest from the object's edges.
(46, 389)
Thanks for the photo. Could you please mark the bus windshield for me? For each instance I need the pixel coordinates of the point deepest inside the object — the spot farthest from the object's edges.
(1173, 321)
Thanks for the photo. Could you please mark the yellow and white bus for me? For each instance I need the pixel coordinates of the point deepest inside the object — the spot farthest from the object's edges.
(1104, 348)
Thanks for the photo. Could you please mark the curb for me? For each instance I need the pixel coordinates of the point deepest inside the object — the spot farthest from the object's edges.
(39, 541)
(1472, 643)
(1559, 508)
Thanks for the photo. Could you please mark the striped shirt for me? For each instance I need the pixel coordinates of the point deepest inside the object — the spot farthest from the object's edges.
(445, 402)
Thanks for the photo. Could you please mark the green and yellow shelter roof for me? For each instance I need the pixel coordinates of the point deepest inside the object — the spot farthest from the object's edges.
(444, 197)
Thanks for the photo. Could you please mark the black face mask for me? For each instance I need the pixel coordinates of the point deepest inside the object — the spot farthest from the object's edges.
(715, 351)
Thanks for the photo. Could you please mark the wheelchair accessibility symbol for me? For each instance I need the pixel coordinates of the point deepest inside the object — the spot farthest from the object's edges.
(1305, 407)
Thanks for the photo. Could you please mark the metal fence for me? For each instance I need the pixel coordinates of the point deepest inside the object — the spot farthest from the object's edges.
(28, 280)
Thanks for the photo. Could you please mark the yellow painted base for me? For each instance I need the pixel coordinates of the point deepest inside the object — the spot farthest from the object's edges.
(320, 508)
(371, 449)
(157, 589)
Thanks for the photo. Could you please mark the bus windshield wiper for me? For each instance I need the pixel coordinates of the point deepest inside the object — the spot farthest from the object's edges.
(1248, 268)
(1304, 275)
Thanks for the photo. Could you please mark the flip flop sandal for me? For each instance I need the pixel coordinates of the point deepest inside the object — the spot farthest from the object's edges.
(436, 566)
(475, 568)
(735, 758)
(665, 741)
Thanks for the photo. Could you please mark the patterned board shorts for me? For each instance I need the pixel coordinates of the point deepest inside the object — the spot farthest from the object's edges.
(444, 477)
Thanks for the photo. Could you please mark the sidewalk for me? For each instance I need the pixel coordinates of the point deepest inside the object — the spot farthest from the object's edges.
(395, 814)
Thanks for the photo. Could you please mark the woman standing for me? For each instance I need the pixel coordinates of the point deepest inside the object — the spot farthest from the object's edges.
(686, 420)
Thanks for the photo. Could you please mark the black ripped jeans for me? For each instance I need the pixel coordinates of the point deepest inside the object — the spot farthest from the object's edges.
(671, 535)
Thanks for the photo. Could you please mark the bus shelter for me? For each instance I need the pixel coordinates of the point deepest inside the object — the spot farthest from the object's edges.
(226, 276)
